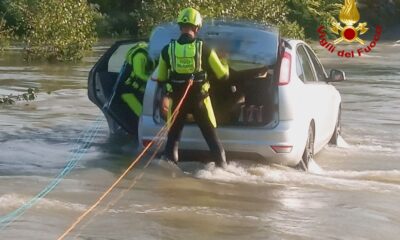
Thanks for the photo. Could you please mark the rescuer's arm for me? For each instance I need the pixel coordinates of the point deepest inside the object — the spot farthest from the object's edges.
(162, 77)
(139, 66)
(163, 66)
(219, 67)
(162, 74)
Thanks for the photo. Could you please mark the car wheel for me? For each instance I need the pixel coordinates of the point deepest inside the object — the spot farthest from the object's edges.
(308, 153)
(337, 131)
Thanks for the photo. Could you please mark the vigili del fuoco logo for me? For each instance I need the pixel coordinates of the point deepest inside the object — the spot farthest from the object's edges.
(349, 30)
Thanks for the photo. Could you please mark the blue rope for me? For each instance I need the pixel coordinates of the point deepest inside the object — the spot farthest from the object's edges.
(81, 147)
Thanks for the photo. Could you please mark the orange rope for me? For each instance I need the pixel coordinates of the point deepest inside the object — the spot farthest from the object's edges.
(104, 195)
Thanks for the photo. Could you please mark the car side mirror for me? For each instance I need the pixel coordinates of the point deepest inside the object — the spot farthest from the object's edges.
(336, 76)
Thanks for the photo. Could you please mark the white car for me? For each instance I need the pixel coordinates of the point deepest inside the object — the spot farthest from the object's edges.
(277, 105)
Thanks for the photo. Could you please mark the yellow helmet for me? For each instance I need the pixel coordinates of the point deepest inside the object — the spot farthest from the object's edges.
(190, 16)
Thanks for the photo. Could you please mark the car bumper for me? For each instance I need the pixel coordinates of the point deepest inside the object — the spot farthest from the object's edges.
(252, 140)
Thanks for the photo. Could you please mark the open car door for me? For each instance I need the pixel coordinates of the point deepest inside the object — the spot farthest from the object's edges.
(102, 84)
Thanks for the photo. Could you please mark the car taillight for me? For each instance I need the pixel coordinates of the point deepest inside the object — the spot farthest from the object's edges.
(282, 149)
(284, 76)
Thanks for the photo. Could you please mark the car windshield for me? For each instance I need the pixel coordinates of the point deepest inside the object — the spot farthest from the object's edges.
(248, 45)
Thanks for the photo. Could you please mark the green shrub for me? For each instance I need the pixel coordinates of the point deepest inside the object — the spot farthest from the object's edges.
(310, 14)
(56, 30)
(292, 30)
(116, 19)
(103, 25)
(120, 25)
(273, 12)
(6, 34)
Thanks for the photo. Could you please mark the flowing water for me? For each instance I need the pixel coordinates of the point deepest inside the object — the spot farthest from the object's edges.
(351, 192)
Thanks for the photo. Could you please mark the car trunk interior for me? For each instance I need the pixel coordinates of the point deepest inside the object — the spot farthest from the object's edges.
(247, 98)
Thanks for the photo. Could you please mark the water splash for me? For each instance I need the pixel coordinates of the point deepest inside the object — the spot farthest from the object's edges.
(13, 200)
(314, 168)
(368, 145)
(375, 181)
(342, 143)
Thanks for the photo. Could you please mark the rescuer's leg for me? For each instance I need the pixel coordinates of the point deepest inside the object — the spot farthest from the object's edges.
(207, 128)
(174, 134)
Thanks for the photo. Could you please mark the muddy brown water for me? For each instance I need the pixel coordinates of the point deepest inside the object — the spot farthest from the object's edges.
(353, 191)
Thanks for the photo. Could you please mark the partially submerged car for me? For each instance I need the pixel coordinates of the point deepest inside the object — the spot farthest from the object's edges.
(278, 103)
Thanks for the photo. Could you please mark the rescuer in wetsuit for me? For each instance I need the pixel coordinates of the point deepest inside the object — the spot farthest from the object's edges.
(137, 69)
(180, 61)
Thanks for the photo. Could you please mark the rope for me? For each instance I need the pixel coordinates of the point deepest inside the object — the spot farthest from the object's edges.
(81, 147)
(135, 180)
(135, 161)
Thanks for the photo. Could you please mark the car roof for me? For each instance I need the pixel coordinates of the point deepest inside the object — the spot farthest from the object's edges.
(231, 23)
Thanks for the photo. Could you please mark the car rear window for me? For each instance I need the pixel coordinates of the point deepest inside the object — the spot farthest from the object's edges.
(248, 45)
